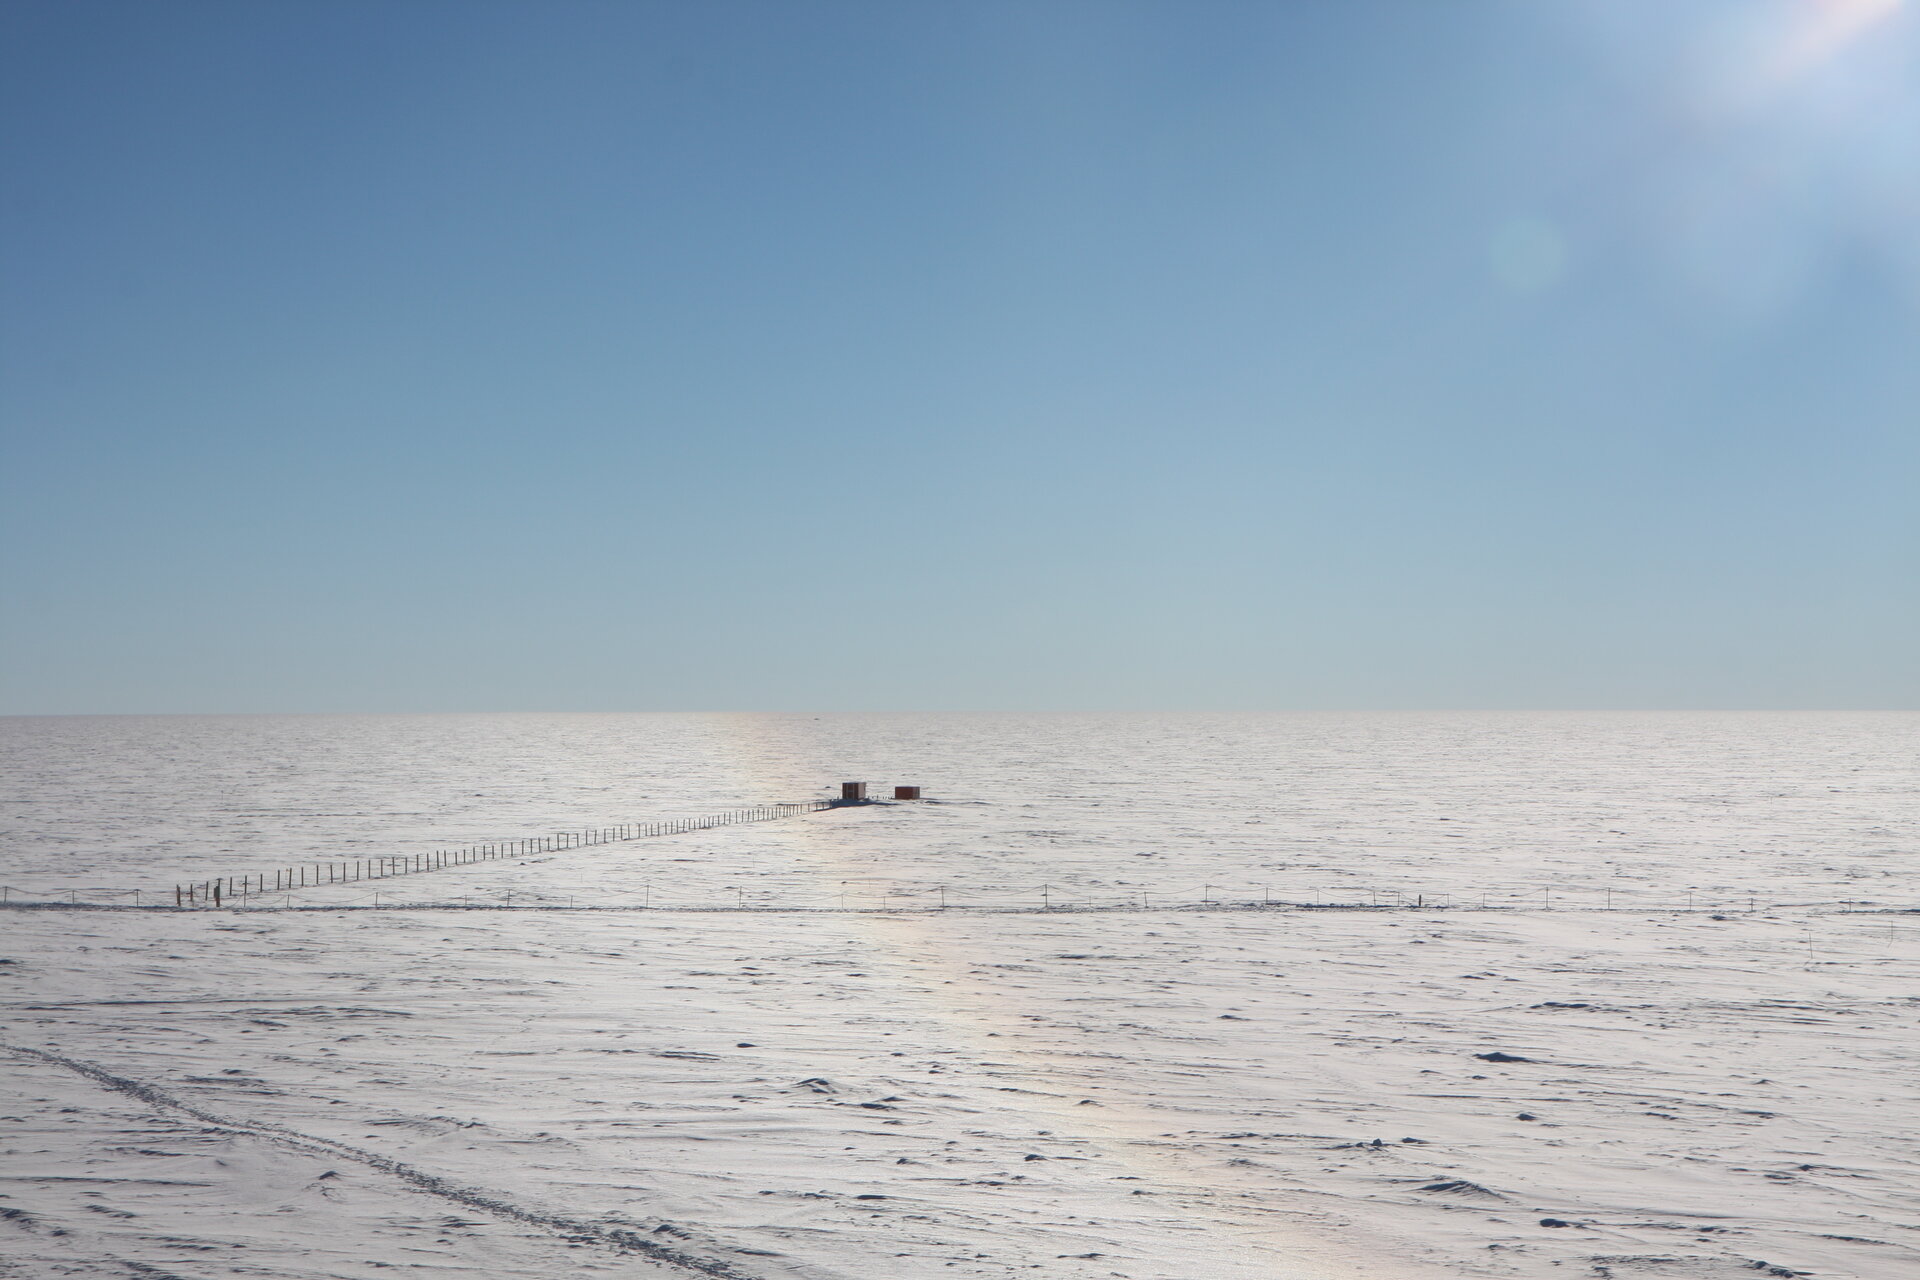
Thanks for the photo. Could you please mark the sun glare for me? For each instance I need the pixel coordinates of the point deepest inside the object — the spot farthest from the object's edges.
(1777, 144)
(1828, 29)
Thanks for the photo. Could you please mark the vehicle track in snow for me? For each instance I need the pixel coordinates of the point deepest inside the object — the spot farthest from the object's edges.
(572, 1229)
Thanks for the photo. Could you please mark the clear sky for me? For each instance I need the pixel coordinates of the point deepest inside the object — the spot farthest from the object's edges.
(564, 355)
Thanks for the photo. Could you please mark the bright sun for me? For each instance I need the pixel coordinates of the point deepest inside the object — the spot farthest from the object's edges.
(1829, 27)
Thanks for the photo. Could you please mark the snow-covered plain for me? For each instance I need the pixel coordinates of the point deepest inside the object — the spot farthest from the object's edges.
(743, 1087)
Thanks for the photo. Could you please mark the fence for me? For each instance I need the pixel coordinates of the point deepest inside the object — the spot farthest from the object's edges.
(220, 889)
(1046, 900)
(271, 893)
(257, 890)
(664, 894)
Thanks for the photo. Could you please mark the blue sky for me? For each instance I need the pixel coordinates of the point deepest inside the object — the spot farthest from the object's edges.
(412, 355)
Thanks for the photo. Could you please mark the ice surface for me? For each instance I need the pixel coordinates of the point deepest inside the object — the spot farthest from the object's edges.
(1170, 1093)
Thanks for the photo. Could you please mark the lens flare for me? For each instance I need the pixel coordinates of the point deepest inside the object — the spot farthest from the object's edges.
(1762, 149)
(1831, 26)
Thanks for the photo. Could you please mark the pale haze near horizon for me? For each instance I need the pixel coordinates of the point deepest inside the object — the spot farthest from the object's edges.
(594, 356)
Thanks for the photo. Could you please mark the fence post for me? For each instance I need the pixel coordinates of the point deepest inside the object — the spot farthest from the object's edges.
(218, 889)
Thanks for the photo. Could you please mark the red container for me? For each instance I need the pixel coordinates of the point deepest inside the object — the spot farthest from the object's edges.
(906, 793)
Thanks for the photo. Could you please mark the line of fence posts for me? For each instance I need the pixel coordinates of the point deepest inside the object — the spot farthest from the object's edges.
(215, 891)
(223, 888)
(242, 889)
(1049, 896)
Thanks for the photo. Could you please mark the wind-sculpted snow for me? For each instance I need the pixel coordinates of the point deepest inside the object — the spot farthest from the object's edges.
(621, 1241)
(1154, 1093)
(1814, 808)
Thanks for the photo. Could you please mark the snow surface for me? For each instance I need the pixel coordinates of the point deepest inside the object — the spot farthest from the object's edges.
(1177, 1092)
